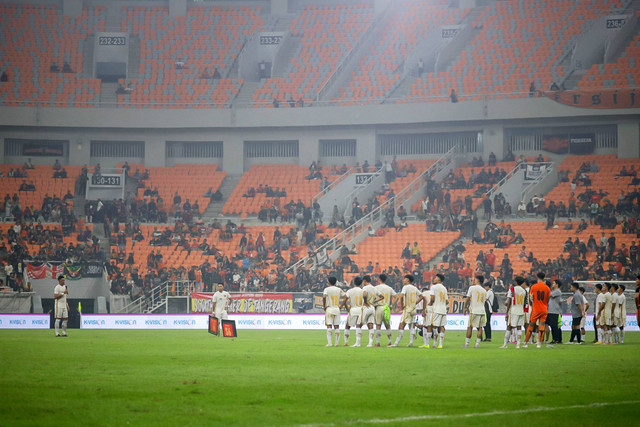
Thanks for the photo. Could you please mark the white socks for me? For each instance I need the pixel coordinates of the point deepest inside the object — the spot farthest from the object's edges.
(57, 326)
(400, 334)
(358, 335)
(621, 336)
(64, 327)
(518, 337)
(600, 335)
(467, 341)
(371, 331)
(337, 337)
(378, 336)
(507, 335)
(412, 334)
(425, 336)
(346, 335)
(441, 339)
(388, 336)
(329, 337)
(616, 334)
(478, 341)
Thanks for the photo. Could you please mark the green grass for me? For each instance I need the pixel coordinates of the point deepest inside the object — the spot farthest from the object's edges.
(286, 378)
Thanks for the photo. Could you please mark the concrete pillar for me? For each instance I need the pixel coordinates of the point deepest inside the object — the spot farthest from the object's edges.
(493, 140)
(309, 149)
(279, 7)
(155, 152)
(177, 8)
(79, 150)
(629, 139)
(72, 7)
(366, 147)
(233, 160)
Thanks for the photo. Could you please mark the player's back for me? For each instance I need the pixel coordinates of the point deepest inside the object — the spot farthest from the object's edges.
(411, 297)
(333, 294)
(477, 296)
(540, 294)
(371, 294)
(608, 302)
(517, 300)
(387, 292)
(356, 297)
(439, 298)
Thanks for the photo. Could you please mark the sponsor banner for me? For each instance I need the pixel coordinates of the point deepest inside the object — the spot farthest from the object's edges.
(558, 144)
(582, 143)
(302, 301)
(533, 171)
(455, 322)
(456, 303)
(258, 302)
(24, 321)
(43, 148)
(92, 269)
(608, 98)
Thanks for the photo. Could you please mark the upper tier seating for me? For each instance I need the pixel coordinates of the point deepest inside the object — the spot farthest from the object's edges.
(32, 38)
(621, 74)
(328, 33)
(210, 39)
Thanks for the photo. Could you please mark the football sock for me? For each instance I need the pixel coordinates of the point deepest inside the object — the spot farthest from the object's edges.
(57, 326)
(358, 335)
(389, 336)
(518, 337)
(584, 337)
(329, 336)
(337, 337)
(371, 331)
(441, 339)
(467, 341)
(425, 336)
(399, 337)
(621, 335)
(64, 327)
(600, 339)
(616, 334)
(412, 334)
(346, 335)
(507, 335)
(378, 336)
(478, 341)
(527, 336)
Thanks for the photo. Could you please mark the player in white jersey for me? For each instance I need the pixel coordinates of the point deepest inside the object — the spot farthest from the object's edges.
(410, 296)
(515, 312)
(622, 319)
(427, 315)
(331, 297)
(599, 319)
(474, 304)
(438, 302)
(605, 313)
(615, 313)
(221, 301)
(371, 297)
(387, 293)
(60, 293)
(354, 302)
(585, 304)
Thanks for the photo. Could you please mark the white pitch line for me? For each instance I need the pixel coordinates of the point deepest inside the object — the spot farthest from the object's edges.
(471, 415)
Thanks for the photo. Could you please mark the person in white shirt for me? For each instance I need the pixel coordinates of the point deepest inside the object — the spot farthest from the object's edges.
(439, 302)
(622, 319)
(615, 312)
(598, 319)
(585, 304)
(387, 293)
(354, 302)
(371, 298)
(410, 296)
(474, 305)
(221, 301)
(331, 303)
(60, 293)
(427, 316)
(604, 313)
(515, 312)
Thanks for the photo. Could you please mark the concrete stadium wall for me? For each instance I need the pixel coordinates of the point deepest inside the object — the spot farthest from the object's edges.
(307, 125)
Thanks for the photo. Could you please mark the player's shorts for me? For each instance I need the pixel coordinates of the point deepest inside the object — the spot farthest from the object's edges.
(221, 315)
(332, 316)
(379, 315)
(600, 321)
(409, 316)
(61, 311)
(355, 316)
(439, 320)
(516, 320)
(538, 316)
(368, 315)
(620, 321)
(608, 321)
(527, 315)
(477, 320)
(428, 318)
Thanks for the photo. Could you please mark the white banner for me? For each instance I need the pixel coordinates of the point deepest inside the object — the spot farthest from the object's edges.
(455, 322)
(24, 321)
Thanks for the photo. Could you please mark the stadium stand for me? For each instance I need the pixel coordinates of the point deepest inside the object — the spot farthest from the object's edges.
(498, 63)
(620, 74)
(32, 38)
(328, 33)
(211, 39)
(379, 70)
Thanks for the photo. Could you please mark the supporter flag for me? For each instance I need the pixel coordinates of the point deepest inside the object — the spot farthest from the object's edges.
(36, 271)
(54, 270)
(73, 272)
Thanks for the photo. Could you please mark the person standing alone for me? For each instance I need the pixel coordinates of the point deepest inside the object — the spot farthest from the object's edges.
(60, 293)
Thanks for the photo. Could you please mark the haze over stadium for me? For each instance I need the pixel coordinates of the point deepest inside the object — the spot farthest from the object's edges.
(299, 168)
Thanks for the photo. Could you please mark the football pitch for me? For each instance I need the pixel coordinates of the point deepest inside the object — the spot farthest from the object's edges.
(289, 378)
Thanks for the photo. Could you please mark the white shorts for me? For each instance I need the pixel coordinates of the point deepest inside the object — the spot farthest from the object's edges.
(221, 315)
(619, 321)
(355, 316)
(332, 316)
(428, 318)
(409, 317)
(607, 319)
(61, 311)
(439, 320)
(516, 320)
(368, 315)
(379, 315)
(477, 320)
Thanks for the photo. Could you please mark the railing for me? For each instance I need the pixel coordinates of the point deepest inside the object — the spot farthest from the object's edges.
(499, 184)
(526, 192)
(158, 296)
(333, 184)
(374, 217)
(354, 193)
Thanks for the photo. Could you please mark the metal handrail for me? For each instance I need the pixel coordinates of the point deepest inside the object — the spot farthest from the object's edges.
(532, 184)
(377, 213)
(499, 184)
(357, 190)
(333, 184)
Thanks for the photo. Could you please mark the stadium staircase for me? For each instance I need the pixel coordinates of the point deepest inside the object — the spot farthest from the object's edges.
(108, 96)
(244, 98)
(87, 58)
(215, 207)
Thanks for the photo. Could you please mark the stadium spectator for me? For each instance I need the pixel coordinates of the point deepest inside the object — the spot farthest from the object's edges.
(4, 77)
(66, 68)
(54, 68)
(453, 96)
